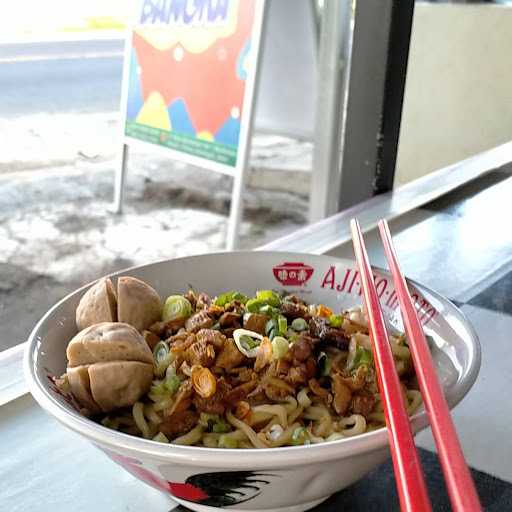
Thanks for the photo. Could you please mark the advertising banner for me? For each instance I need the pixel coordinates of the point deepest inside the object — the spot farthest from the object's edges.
(189, 63)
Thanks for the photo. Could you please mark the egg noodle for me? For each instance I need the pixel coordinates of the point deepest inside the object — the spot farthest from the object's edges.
(261, 372)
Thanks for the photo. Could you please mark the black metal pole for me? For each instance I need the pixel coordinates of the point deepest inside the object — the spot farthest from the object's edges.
(398, 54)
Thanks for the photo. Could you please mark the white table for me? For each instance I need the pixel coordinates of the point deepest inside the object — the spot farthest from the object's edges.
(43, 466)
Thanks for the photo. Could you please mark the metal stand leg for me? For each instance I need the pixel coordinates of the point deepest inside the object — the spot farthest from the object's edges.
(235, 214)
(242, 167)
(119, 183)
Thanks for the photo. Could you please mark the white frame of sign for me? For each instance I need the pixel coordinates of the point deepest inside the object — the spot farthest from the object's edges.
(239, 171)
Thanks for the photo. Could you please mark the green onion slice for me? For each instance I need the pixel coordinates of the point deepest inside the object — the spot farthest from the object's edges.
(176, 307)
(248, 342)
(280, 347)
(226, 441)
(335, 320)
(269, 297)
(226, 298)
(299, 324)
(282, 324)
(160, 352)
(300, 436)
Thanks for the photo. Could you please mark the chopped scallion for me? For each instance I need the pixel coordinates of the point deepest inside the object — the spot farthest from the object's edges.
(221, 427)
(226, 441)
(282, 324)
(176, 307)
(279, 347)
(299, 324)
(269, 297)
(254, 305)
(335, 320)
(172, 384)
(161, 351)
(268, 310)
(363, 357)
(300, 436)
(226, 298)
(161, 438)
(248, 343)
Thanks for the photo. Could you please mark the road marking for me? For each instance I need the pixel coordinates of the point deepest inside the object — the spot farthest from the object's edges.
(61, 56)
(63, 37)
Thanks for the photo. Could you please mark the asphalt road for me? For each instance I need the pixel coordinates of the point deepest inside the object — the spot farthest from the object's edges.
(58, 77)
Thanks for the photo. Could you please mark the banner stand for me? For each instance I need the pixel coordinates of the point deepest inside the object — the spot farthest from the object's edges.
(236, 211)
(239, 171)
(117, 207)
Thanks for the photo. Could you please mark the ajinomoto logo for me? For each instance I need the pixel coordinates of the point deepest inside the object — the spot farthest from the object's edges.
(293, 274)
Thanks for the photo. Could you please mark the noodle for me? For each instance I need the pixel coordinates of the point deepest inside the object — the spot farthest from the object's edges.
(303, 399)
(400, 351)
(253, 372)
(324, 427)
(247, 430)
(377, 416)
(363, 340)
(335, 436)
(164, 403)
(140, 421)
(358, 423)
(275, 410)
(211, 440)
(295, 414)
(290, 404)
(285, 437)
(256, 418)
(191, 437)
(151, 414)
(315, 412)
(316, 439)
(414, 399)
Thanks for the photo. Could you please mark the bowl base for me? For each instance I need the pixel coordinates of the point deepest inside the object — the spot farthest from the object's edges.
(301, 507)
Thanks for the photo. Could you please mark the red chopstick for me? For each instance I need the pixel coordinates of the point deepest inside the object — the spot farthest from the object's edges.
(412, 490)
(460, 486)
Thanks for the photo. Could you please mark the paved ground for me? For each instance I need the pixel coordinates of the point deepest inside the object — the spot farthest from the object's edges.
(56, 231)
(60, 137)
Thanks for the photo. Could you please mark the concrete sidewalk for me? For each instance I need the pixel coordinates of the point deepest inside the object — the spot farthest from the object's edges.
(57, 233)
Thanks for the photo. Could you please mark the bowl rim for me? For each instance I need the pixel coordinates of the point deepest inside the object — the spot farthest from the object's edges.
(229, 458)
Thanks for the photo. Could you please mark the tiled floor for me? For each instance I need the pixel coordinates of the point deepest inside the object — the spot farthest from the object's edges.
(484, 418)
(461, 246)
(497, 296)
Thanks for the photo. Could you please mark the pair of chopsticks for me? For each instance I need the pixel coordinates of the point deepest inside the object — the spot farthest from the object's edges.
(411, 485)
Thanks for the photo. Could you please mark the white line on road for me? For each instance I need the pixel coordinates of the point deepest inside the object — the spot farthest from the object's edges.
(61, 56)
(61, 37)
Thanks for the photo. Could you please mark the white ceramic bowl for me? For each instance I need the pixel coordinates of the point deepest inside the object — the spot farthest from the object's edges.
(286, 479)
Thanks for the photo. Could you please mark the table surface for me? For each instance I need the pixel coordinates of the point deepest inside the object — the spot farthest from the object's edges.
(44, 466)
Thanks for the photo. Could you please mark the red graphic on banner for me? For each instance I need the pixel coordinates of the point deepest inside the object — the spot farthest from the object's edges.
(293, 274)
(203, 80)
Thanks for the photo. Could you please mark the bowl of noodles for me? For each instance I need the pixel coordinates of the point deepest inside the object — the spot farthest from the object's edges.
(224, 379)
